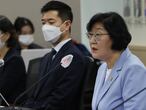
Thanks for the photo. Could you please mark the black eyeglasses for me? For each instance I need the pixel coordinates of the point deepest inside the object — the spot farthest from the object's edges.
(97, 36)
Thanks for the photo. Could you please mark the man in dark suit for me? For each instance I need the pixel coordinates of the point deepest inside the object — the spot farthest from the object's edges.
(62, 71)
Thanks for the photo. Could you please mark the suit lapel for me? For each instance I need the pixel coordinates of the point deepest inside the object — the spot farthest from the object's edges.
(98, 84)
(106, 86)
(114, 74)
(47, 66)
(44, 69)
(61, 52)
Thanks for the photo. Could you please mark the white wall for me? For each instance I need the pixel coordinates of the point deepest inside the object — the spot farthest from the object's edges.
(83, 10)
(31, 9)
(25, 8)
(76, 26)
(138, 34)
(90, 7)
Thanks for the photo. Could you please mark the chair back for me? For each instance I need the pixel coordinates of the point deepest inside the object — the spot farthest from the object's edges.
(28, 54)
(88, 83)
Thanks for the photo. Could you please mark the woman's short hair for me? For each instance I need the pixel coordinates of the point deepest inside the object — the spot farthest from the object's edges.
(115, 26)
(20, 22)
(6, 26)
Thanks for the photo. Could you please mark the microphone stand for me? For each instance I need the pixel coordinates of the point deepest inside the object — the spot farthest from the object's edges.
(1, 62)
(32, 86)
(4, 100)
(129, 98)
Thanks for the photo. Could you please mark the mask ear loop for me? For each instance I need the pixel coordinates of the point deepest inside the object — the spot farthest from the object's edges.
(62, 24)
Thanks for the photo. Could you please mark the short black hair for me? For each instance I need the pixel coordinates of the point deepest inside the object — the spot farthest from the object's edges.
(20, 22)
(64, 10)
(115, 26)
(6, 26)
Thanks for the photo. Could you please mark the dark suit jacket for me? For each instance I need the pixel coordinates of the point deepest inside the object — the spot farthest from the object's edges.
(88, 86)
(82, 48)
(61, 89)
(34, 46)
(12, 76)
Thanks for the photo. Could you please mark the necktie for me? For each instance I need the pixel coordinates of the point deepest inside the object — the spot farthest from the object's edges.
(52, 53)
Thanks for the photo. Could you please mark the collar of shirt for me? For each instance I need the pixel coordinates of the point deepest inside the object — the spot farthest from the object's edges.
(58, 46)
(108, 72)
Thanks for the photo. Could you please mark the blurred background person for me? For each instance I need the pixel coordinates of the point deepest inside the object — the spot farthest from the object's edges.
(81, 47)
(121, 78)
(25, 30)
(12, 73)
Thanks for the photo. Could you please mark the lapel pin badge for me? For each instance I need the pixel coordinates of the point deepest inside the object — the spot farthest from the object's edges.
(66, 61)
(110, 78)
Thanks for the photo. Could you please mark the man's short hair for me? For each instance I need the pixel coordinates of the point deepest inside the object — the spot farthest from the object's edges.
(64, 10)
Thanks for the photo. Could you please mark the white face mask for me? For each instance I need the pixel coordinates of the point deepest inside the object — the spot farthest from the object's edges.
(26, 39)
(51, 33)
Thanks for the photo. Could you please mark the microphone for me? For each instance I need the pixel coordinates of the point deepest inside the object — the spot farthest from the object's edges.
(65, 62)
(4, 100)
(1, 62)
(129, 98)
(34, 84)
